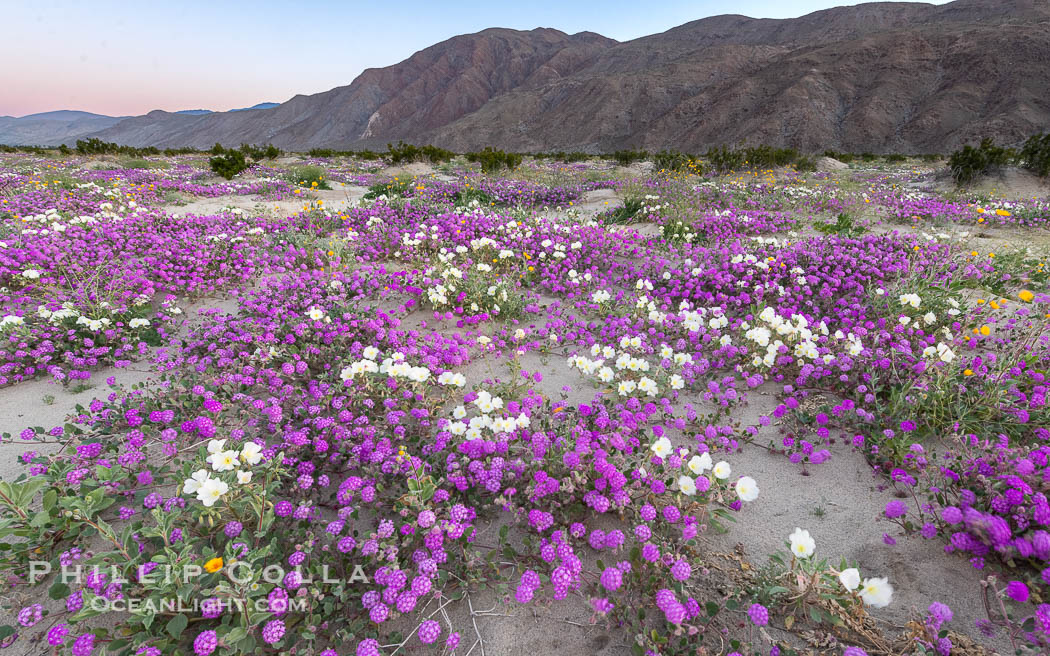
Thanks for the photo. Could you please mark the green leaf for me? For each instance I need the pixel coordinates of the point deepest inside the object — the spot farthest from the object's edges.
(58, 591)
(177, 625)
(29, 489)
(40, 519)
(235, 635)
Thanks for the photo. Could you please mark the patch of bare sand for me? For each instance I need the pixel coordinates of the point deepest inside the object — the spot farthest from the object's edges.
(1010, 183)
(414, 169)
(597, 201)
(44, 404)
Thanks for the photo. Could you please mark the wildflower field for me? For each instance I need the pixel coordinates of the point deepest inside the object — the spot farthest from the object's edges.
(563, 408)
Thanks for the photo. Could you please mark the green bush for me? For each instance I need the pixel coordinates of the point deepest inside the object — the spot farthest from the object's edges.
(466, 196)
(625, 213)
(36, 150)
(971, 163)
(844, 226)
(628, 157)
(672, 160)
(931, 157)
(403, 152)
(257, 153)
(328, 152)
(845, 158)
(895, 158)
(95, 146)
(724, 159)
(805, 163)
(492, 160)
(395, 188)
(767, 157)
(228, 164)
(312, 177)
(568, 158)
(1035, 155)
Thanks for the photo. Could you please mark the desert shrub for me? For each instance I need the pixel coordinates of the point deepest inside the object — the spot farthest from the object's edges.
(308, 176)
(765, 157)
(625, 213)
(1035, 155)
(329, 152)
(228, 164)
(724, 159)
(672, 160)
(179, 151)
(95, 146)
(844, 226)
(36, 150)
(969, 163)
(269, 151)
(394, 188)
(493, 160)
(472, 194)
(628, 157)
(930, 157)
(868, 157)
(403, 152)
(805, 163)
(895, 158)
(217, 149)
(845, 158)
(568, 158)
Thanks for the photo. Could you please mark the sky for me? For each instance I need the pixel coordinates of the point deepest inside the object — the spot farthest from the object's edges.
(126, 58)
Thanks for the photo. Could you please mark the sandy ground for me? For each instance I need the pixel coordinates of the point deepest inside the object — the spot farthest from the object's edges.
(414, 169)
(339, 197)
(1010, 183)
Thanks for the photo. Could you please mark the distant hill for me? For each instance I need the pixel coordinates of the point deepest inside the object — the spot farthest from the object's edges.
(66, 126)
(201, 112)
(880, 77)
(66, 115)
(53, 128)
(262, 105)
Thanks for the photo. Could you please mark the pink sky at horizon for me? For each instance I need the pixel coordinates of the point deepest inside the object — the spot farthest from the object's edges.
(127, 97)
(120, 58)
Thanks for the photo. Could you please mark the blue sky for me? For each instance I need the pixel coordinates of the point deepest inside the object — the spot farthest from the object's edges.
(117, 57)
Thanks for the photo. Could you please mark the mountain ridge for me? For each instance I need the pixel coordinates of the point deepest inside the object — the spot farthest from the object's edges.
(883, 76)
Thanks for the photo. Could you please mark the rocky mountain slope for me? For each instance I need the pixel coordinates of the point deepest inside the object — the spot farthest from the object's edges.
(905, 77)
